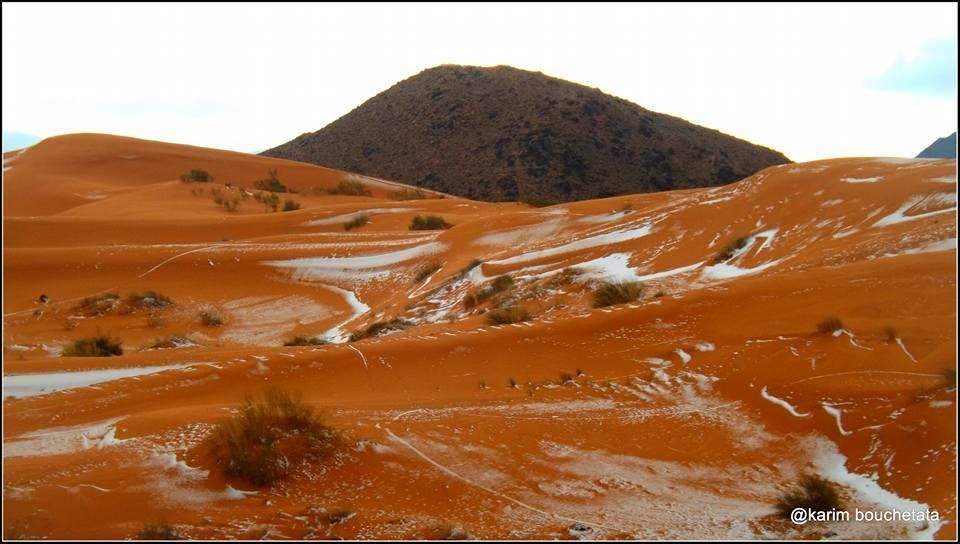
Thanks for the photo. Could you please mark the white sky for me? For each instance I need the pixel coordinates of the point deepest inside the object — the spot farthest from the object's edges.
(251, 76)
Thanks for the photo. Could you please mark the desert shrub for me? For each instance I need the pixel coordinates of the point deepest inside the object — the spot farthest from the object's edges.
(380, 328)
(101, 345)
(565, 378)
(731, 249)
(949, 377)
(350, 187)
(196, 175)
(890, 334)
(507, 315)
(211, 318)
(231, 205)
(270, 434)
(426, 271)
(340, 515)
(611, 293)
(537, 202)
(830, 325)
(812, 492)
(290, 205)
(410, 194)
(304, 341)
(498, 285)
(170, 342)
(357, 222)
(470, 266)
(428, 222)
(157, 531)
(97, 305)
(270, 201)
(271, 183)
(147, 300)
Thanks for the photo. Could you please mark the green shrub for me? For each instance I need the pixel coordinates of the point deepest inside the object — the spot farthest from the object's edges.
(196, 175)
(731, 249)
(349, 187)
(304, 341)
(290, 205)
(269, 435)
(101, 345)
(508, 315)
(357, 222)
(611, 293)
(830, 325)
(157, 531)
(271, 183)
(812, 492)
(428, 222)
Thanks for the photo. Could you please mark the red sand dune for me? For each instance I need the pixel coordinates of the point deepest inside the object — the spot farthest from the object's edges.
(683, 414)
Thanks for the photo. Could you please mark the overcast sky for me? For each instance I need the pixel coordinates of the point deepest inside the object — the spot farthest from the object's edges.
(812, 81)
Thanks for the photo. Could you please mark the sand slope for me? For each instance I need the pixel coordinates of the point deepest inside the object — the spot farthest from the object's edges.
(681, 415)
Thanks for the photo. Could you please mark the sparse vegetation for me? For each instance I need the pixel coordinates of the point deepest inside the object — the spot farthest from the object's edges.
(500, 284)
(271, 183)
(97, 305)
(830, 325)
(565, 378)
(147, 300)
(731, 249)
(611, 293)
(356, 222)
(211, 318)
(101, 345)
(170, 342)
(410, 194)
(350, 187)
(305, 341)
(196, 175)
(429, 222)
(157, 531)
(513, 383)
(290, 205)
(426, 271)
(268, 436)
(890, 334)
(812, 492)
(381, 328)
(949, 377)
(508, 315)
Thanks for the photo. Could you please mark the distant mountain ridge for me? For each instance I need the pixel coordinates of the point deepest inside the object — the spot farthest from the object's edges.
(943, 148)
(502, 134)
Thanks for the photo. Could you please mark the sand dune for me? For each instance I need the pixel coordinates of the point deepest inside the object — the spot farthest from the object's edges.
(683, 414)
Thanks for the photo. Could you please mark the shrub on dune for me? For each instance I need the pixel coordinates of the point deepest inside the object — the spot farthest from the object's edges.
(349, 187)
(101, 345)
(381, 328)
(305, 341)
(356, 222)
(812, 492)
(147, 300)
(508, 315)
(830, 325)
(290, 205)
(268, 436)
(196, 175)
(426, 271)
(211, 318)
(731, 249)
(97, 305)
(611, 293)
(157, 531)
(271, 183)
(429, 222)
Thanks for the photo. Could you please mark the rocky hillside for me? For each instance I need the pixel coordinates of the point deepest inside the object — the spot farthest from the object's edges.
(506, 134)
(943, 148)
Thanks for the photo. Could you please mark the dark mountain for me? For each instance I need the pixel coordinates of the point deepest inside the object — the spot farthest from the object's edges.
(943, 148)
(507, 134)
